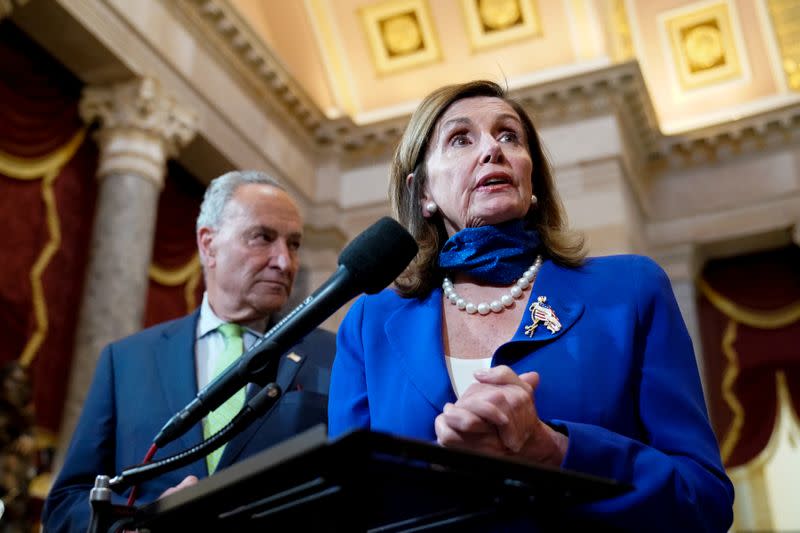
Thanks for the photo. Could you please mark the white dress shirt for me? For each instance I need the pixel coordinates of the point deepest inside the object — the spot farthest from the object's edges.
(461, 371)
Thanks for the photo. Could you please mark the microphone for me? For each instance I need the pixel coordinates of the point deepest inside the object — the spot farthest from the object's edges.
(368, 264)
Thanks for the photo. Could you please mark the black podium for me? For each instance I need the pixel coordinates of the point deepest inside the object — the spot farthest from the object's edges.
(367, 481)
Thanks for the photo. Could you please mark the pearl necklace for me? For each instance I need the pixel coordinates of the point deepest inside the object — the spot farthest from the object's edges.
(497, 306)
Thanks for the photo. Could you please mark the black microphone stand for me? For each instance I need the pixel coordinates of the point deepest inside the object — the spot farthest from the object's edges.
(104, 513)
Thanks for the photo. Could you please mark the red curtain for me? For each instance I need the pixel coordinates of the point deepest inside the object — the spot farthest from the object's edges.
(48, 190)
(38, 116)
(175, 249)
(750, 332)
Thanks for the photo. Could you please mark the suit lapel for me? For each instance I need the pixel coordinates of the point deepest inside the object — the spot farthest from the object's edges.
(415, 334)
(288, 368)
(176, 371)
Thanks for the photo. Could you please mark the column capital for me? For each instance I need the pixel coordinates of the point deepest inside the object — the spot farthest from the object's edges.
(140, 126)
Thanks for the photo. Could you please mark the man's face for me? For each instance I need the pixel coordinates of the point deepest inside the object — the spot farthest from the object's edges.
(251, 259)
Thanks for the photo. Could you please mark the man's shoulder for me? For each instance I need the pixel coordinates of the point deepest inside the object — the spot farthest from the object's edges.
(319, 345)
(158, 332)
(321, 335)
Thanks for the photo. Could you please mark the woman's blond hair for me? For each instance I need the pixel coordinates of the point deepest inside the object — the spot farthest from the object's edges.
(548, 217)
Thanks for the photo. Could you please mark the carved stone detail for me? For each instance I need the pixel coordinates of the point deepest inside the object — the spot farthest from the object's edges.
(219, 21)
(141, 127)
(722, 142)
(619, 89)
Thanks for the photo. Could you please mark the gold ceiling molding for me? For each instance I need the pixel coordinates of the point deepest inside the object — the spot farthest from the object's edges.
(785, 15)
(619, 32)
(619, 89)
(498, 22)
(400, 35)
(219, 20)
(703, 46)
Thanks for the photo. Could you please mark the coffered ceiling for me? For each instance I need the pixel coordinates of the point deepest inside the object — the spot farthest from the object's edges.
(368, 60)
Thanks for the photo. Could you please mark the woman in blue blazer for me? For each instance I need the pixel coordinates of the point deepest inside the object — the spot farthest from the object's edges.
(501, 338)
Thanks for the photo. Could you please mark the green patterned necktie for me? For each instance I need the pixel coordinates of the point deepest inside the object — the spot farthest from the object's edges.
(217, 419)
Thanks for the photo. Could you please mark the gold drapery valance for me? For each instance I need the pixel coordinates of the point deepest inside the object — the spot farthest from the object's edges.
(755, 318)
(189, 275)
(46, 168)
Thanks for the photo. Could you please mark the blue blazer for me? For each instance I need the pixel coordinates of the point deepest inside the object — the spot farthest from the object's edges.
(620, 376)
(144, 379)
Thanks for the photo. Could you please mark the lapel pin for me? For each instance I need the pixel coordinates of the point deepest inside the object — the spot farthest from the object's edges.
(294, 357)
(542, 313)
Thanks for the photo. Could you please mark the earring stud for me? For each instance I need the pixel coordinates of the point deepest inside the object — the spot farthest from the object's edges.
(431, 207)
(534, 200)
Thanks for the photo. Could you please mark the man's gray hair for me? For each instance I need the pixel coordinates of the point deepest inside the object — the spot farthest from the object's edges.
(221, 189)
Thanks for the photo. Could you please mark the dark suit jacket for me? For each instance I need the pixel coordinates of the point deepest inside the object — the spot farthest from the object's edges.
(140, 382)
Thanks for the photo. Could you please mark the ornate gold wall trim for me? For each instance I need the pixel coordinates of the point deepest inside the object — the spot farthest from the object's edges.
(176, 276)
(620, 31)
(733, 434)
(752, 473)
(47, 168)
(495, 24)
(188, 275)
(617, 89)
(772, 319)
(400, 34)
(704, 40)
(22, 168)
(785, 17)
(756, 318)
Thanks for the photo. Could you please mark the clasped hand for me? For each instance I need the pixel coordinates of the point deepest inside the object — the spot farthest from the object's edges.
(497, 415)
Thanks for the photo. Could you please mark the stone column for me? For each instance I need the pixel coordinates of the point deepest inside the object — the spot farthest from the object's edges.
(140, 127)
(682, 264)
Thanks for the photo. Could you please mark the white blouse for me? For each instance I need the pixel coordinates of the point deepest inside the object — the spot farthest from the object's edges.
(461, 371)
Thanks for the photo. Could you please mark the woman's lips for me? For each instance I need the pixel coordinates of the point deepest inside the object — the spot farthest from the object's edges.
(494, 180)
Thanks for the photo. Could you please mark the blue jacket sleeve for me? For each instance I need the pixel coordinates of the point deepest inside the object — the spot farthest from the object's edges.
(348, 405)
(90, 453)
(680, 484)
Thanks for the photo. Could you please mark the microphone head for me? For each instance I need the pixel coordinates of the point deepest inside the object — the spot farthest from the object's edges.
(378, 255)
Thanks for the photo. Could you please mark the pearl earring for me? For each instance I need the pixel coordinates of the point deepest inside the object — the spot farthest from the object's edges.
(534, 200)
(431, 207)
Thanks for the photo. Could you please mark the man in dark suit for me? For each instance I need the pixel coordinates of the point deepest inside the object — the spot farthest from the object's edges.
(248, 234)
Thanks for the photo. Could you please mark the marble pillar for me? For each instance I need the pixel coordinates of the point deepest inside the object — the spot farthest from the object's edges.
(140, 127)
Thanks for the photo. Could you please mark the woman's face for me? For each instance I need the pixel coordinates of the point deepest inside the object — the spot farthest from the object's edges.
(478, 165)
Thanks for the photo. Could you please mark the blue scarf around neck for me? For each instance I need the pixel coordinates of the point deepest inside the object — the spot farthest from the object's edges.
(493, 254)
